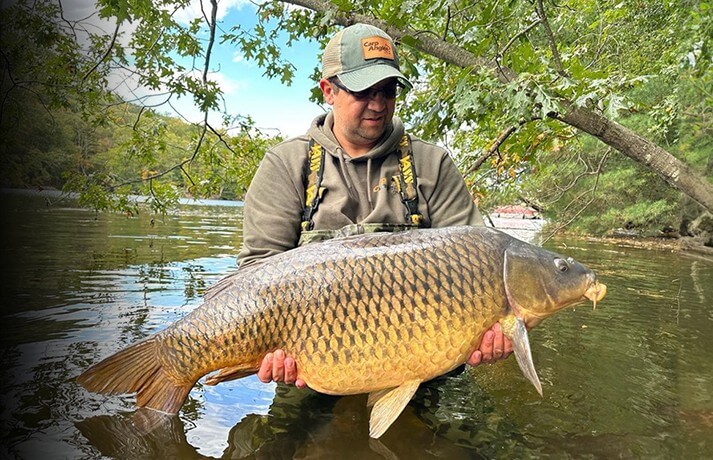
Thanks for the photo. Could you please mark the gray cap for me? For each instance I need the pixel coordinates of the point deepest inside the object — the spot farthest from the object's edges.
(361, 56)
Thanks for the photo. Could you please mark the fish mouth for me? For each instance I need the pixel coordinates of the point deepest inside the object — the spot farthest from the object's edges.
(596, 292)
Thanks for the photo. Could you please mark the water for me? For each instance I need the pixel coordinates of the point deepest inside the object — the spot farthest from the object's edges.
(633, 379)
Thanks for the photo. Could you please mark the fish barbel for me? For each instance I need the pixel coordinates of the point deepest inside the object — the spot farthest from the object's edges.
(377, 313)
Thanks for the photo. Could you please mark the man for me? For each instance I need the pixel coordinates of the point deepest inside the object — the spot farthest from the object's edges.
(363, 174)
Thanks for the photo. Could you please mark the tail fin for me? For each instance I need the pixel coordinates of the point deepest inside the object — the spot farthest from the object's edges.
(137, 369)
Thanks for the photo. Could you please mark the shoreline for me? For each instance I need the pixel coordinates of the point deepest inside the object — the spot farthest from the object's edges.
(60, 195)
(517, 224)
(688, 246)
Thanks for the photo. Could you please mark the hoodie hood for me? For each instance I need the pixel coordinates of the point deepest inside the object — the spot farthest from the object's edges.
(321, 131)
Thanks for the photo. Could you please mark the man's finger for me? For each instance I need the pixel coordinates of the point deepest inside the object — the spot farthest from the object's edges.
(486, 346)
(278, 366)
(508, 346)
(264, 374)
(498, 342)
(290, 370)
(476, 358)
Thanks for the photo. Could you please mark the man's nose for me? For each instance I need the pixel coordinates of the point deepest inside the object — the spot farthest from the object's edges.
(377, 100)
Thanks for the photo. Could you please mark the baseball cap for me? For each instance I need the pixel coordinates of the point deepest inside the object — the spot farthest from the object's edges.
(361, 56)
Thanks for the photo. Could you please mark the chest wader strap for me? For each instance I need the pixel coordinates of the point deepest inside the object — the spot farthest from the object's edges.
(314, 170)
(406, 182)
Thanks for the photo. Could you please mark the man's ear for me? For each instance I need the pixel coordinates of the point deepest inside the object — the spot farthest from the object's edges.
(327, 91)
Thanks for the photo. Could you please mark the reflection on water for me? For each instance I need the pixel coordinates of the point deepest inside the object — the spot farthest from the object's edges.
(631, 379)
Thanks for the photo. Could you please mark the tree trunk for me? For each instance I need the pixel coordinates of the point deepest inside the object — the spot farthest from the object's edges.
(672, 170)
(676, 173)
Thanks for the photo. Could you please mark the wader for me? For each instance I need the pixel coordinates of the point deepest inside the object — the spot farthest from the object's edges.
(405, 184)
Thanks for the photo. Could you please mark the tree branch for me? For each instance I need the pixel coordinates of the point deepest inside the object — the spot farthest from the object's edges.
(676, 173)
(502, 52)
(206, 69)
(222, 139)
(106, 54)
(494, 146)
(434, 46)
(69, 24)
(592, 191)
(201, 138)
(6, 95)
(448, 22)
(550, 38)
(588, 172)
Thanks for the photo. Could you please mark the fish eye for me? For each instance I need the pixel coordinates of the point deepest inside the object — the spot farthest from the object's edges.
(561, 265)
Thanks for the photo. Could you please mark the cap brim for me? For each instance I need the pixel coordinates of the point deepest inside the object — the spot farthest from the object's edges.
(366, 77)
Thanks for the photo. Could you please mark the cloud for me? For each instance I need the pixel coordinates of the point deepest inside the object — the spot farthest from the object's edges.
(87, 12)
(244, 93)
(196, 9)
(227, 84)
(86, 16)
(239, 58)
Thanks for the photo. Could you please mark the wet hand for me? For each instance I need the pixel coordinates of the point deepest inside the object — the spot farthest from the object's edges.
(493, 347)
(277, 367)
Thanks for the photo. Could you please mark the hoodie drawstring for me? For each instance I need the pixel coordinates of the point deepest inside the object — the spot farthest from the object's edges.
(404, 182)
(368, 183)
(346, 175)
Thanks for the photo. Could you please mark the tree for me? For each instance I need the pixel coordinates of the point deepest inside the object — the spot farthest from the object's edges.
(501, 81)
(563, 90)
(53, 66)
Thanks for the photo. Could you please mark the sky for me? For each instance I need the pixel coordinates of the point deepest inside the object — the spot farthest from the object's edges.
(275, 107)
(272, 104)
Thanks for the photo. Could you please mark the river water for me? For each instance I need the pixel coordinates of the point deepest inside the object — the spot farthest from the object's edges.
(631, 379)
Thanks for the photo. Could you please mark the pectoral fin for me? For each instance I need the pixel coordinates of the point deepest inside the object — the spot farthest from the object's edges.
(514, 328)
(374, 396)
(388, 404)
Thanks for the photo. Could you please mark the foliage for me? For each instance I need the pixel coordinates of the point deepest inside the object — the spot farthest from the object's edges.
(645, 64)
(597, 192)
(134, 155)
(500, 129)
(63, 126)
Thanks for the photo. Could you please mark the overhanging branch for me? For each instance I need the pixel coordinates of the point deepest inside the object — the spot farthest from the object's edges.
(495, 146)
(105, 55)
(676, 173)
(539, 7)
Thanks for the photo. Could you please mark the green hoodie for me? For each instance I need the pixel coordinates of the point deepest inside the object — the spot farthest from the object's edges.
(357, 190)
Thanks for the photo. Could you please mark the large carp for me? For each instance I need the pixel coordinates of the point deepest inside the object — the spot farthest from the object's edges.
(377, 314)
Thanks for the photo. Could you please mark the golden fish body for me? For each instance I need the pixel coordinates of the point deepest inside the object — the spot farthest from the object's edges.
(376, 314)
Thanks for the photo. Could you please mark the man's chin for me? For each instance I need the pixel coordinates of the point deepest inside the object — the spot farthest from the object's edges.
(373, 131)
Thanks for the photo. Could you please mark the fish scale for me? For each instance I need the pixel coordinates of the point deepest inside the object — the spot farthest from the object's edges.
(375, 314)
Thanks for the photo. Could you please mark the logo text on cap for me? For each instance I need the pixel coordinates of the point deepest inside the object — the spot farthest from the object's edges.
(376, 48)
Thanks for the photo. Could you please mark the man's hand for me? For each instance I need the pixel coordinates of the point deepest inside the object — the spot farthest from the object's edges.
(493, 347)
(279, 368)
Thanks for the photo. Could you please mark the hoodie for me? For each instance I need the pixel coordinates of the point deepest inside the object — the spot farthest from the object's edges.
(357, 190)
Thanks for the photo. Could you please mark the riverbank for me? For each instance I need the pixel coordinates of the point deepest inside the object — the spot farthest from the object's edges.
(54, 196)
(523, 227)
(688, 246)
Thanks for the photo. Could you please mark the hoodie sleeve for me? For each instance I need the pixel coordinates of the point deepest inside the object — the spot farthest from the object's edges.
(450, 203)
(272, 212)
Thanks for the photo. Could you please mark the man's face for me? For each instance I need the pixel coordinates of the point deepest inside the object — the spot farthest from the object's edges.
(360, 121)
